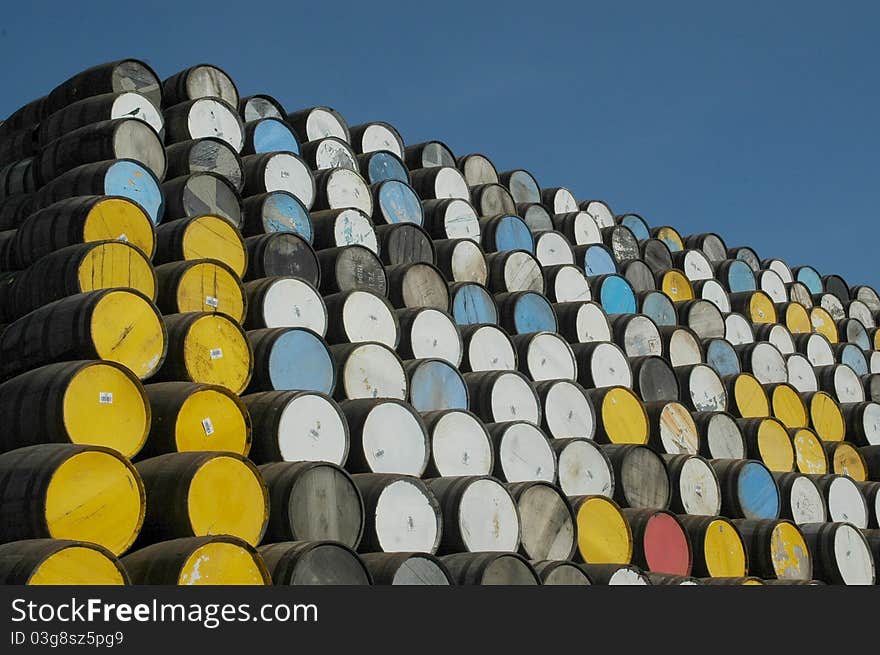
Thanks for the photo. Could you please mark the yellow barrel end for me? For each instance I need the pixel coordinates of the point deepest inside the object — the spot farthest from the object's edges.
(211, 420)
(624, 417)
(208, 287)
(823, 323)
(788, 407)
(775, 447)
(762, 309)
(724, 552)
(809, 454)
(114, 264)
(118, 219)
(751, 399)
(826, 417)
(676, 285)
(222, 563)
(213, 237)
(127, 329)
(604, 536)
(216, 351)
(77, 565)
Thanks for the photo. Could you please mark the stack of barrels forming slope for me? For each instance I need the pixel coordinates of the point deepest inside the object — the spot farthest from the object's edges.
(247, 345)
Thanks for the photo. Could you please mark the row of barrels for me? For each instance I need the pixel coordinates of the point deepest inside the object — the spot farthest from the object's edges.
(93, 495)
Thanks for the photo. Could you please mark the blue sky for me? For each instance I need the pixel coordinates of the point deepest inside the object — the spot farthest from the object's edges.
(755, 120)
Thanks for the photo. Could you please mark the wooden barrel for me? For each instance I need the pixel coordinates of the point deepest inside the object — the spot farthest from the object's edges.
(318, 123)
(377, 137)
(404, 243)
(67, 491)
(769, 441)
(208, 154)
(188, 416)
(701, 316)
(118, 325)
(747, 255)
(314, 563)
(272, 134)
(802, 501)
(816, 347)
(80, 269)
(349, 268)
(845, 459)
(282, 254)
(522, 185)
(499, 568)
(596, 259)
(406, 569)
(201, 117)
(840, 553)
(402, 514)
(747, 398)
(460, 444)
(202, 193)
(582, 322)
(14, 211)
(801, 374)
(473, 304)
(498, 396)
(841, 383)
(201, 237)
(417, 285)
(566, 409)
(279, 171)
(862, 422)
(295, 426)
(368, 370)
(566, 283)
(112, 77)
(735, 275)
(871, 492)
(578, 227)
(718, 547)
(341, 188)
(59, 562)
(548, 522)
(477, 169)
(212, 560)
(738, 329)
(709, 243)
(601, 365)
(603, 533)
(479, 514)
(871, 383)
(681, 345)
(622, 242)
(99, 108)
(287, 359)
(660, 543)
(522, 452)
(486, 348)
(720, 436)
(620, 416)
(27, 115)
(844, 499)
(461, 260)
(851, 355)
(809, 454)
(360, 316)
(616, 575)
(545, 356)
(439, 181)
(491, 199)
(551, 248)
(81, 402)
(584, 469)
(82, 220)
(196, 494)
(312, 501)
(336, 228)
(395, 202)
(640, 475)
(702, 389)
(695, 488)
(559, 200)
(387, 436)
(200, 81)
(656, 255)
(777, 549)
(120, 138)
(763, 360)
(435, 385)
(451, 218)
(748, 490)
(826, 418)
(756, 305)
(675, 285)
(636, 224)
(778, 335)
(823, 323)
(284, 301)
(200, 285)
(671, 428)
(555, 572)
(514, 270)
(276, 211)
(721, 356)
(427, 333)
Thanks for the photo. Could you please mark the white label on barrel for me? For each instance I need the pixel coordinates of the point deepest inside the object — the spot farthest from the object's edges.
(216, 353)
(207, 426)
(122, 237)
(105, 397)
(211, 301)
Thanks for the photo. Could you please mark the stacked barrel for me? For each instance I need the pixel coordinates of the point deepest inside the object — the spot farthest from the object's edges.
(244, 345)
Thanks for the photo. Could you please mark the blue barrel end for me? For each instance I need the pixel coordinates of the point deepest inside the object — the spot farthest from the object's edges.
(399, 203)
(473, 305)
(617, 296)
(659, 308)
(757, 492)
(437, 385)
(740, 277)
(598, 261)
(131, 180)
(637, 225)
(854, 357)
(300, 360)
(533, 313)
(271, 135)
(512, 233)
(385, 166)
(284, 213)
(721, 356)
(811, 279)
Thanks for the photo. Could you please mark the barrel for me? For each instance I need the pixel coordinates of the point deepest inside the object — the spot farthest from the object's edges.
(27, 116)
(189, 416)
(862, 422)
(702, 389)
(671, 428)
(545, 356)
(578, 227)
(840, 553)
(636, 334)
(871, 383)
(80, 269)
(826, 418)
(660, 543)
(14, 211)
(486, 348)
(566, 409)
(284, 301)
(522, 452)
(747, 255)
(276, 211)
(841, 383)
(117, 325)
(439, 181)
(318, 123)
(210, 560)
(871, 492)
(460, 444)
(312, 501)
(641, 477)
(795, 318)
(763, 360)
(59, 562)
(844, 499)
(401, 514)
(417, 285)
(314, 563)
(112, 77)
(120, 138)
(778, 335)
(279, 171)
(522, 185)
(681, 345)
(282, 253)
(81, 402)
(623, 243)
(360, 316)
(720, 436)
(823, 323)
(395, 202)
(801, 374)
(499, 396)
(67, 491)
(620, 416)
(693, 263)
(735, 275)
(406, 569)
(272, 134)
(296, 426)
(656, 255)
(477, 169)
(551, 248)
(802, 501)
(604, 535)
(349, 268)
(845, 459)
(492, 198)
(404, 243)
(451, 218)
(566, 283)
(287, 359)
(721, 356)
(490, 568)
(601, 365)
(777, 549)
(718, 547)
(368, 370)
(675, 285)
(340, 188)
(616, 575)
(461, 260)
(738, 329)
(435, 385)
(748, 489)
(816, 347)
(208, 154)
(547, 520)
(559, 200)
(555, 572)
(387, 436)
(201, 237)
(768, 440)
(695, 487)
(747, 398)
(82, 220)
(336, 228)
(582, 322)
(514, 270)
(202, 193)
(201, 117)
(584, 469)
(200, 81)
(756, 305)
(200, 285)
(473, 304)
(377, 137)
(810, 456)
(427, 333)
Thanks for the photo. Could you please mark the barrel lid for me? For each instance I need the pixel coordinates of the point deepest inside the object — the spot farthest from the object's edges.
(435, 384)
(591, 323)
(756, 492)
(398, 203)
(570, 285)
(490, 349)
(684, 348)
(604, 536)
(724, 439)
(678, 433)
(292, 302)
(75, 562)
(806, 502)
(624, 419)
(548, 530)
(522, 272)
(773, 286)
(609, 366)
(460, 445)
(767, 363)
(383, 165)
(367, 316)
(299, 359)
(737, 329)
(273, 135)
(488, 518)
(722, 357)
(472, 303)
(853, 556)
(524, 454)
(532, 312)
(666, 546)
(478, 169)
(211, 116)
(332, 152)
(584, 470)
(809, 455)
(826, 417)
(284, 171)
(644, 480)
(407, 518)
(513, 398)
(130, 179)
(126, 328)
(698, 488)
(723, 550)
(434, 334)
(712, 291)
(373, 370)
(582, 228)
(419, 569)
(212, 418)
(600, 212)
(568, 412)
(312, 428)
(641, 337)
(552, 248)
(549, 357)
(223, 560)
(659, 308)
(775, 446)
(801, 374)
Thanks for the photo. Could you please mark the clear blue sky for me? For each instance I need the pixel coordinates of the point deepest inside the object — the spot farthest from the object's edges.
(756, 120)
